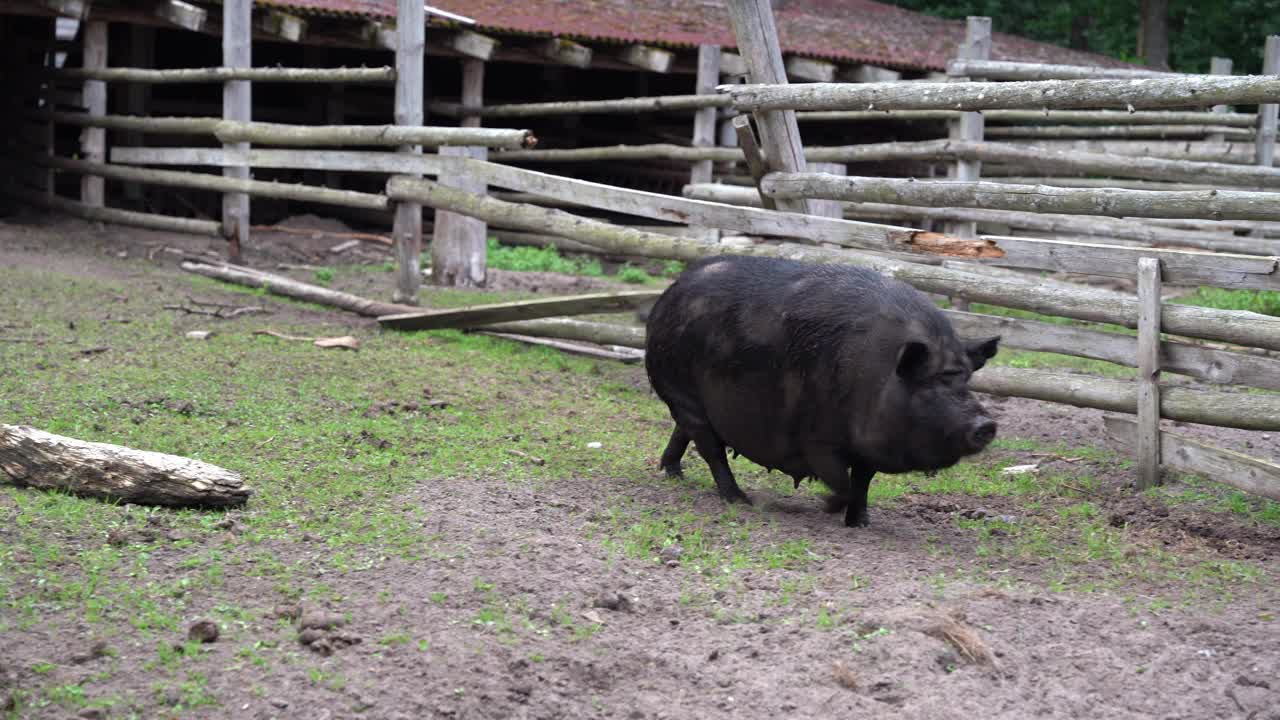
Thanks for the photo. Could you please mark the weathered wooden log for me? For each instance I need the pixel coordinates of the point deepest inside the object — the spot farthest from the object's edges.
(201, 181)
(131, 123)
(507, 237)
(1114, 202)
(1048, 160)
(657, 151)
(1247, 411)
(1194, 90)
(1109, 182)
(383, 135)
(626, 106)
(1100, 227)
(1214, 365)
(476, 315)
(1120, 131)
(1026, 117)
(223, 74)
(131, 218)
(36, 459)
(1009, 70)
(1249, 474)
(1215, 226)
(1233, 326)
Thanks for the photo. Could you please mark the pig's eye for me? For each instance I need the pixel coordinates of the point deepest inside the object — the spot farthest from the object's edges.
(952, 375)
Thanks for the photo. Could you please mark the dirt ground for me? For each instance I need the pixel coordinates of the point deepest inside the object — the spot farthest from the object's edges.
(941, 609)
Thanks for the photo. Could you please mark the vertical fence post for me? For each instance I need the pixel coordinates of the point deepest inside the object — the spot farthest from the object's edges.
(93, 141)
(459, 253)
(411, 28)
(136, 97)
(828, 208)
(970, 126)
(1265, 150)
(1148, 444)
(757, 36)
(237, 104)
(47, 103)
(704, 120)
(1219, 66)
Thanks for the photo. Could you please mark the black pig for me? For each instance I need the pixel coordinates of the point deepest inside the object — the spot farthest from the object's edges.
(828, 371)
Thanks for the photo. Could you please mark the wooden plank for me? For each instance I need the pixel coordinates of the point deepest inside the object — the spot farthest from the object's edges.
(648, 58)
(1148, 377)
(1213, 365)
(704, 120)
(757, 37)
(237, 105)
(802, 68)
(732, 64)
(630, 356)
(1250, 474)
(471, 44)
(475, 315)
(93, 141)
(969, 126)
(828, 208)
(285, 26)
(459, 243)
(411, 23)
(1030, 95)
(565, 52)
(182, 14)
(866, 74)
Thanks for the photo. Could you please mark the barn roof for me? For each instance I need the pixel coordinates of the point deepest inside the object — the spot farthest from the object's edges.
(856, 31)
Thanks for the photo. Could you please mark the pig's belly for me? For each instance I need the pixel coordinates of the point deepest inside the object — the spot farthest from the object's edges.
(756, 424)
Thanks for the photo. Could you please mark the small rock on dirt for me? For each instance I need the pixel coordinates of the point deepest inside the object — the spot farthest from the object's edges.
(613, 601)
(91, 714)
(199, 334)
(314, 617)
(206, 631)
(670, 552)
(1020, 470)
(310, 635)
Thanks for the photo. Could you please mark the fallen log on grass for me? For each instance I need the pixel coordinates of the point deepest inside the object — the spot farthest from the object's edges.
(44, 461)
(627, 356)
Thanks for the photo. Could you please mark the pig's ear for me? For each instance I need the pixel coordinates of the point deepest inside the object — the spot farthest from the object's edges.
(913, 360)
(979, 351)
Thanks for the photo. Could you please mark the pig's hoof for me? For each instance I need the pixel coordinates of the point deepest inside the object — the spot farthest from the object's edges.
(736, 497)
(834, 503)
(673, 471)
(859, 520)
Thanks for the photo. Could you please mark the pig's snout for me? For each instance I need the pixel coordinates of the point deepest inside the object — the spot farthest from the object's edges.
(982, 431)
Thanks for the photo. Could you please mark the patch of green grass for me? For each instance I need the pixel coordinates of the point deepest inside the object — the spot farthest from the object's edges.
(538, 259)
(324, 276)
(634, 275)
(1191, 489)
(394, 639)
(1266, 302)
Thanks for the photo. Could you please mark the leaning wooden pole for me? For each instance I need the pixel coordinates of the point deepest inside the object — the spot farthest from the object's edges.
(37, 459)
(411, 24)
(969, 126)
(237, 105)
(1270, 112)
(1233, 326)
(704, 120)
(757, 37)
(459, 244)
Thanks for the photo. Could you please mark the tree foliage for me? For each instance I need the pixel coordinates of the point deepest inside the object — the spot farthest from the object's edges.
(1198, 29)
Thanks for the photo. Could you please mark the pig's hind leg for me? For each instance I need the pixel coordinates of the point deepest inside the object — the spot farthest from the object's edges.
(676, 447)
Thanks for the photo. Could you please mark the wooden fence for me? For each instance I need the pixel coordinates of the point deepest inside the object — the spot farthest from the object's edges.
(1221, 347)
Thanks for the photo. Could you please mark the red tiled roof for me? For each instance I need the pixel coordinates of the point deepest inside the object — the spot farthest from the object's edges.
(847, 30)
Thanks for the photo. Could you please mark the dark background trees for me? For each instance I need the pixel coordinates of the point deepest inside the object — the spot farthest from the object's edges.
(1142, 31)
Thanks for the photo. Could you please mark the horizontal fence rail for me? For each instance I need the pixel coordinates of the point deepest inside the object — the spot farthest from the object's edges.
(1010, 70)
(1061, 117)
(1202, 90)
(378, 75)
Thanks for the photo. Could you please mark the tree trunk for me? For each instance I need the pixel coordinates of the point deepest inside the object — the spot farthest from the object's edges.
(37, 459)
(1153, 33)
